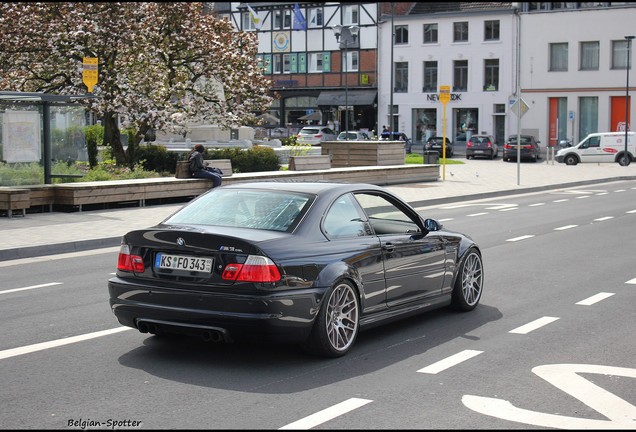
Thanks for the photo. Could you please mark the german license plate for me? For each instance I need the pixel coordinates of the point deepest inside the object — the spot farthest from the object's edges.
(479, 151)
(183, 263)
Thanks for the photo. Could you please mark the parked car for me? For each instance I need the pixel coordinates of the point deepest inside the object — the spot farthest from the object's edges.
(435, 143)
(310, 263)
(482, 146)
(353, 136)
(315, 135)
(529, 148)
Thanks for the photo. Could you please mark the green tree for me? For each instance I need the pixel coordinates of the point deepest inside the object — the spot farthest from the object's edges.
(162, 66)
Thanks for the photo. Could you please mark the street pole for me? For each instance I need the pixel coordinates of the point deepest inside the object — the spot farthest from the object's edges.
(627, 104)
(346, 61)
(346, 36)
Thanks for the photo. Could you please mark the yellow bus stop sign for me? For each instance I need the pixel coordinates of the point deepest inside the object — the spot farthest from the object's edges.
(90, 72)
(444, 94)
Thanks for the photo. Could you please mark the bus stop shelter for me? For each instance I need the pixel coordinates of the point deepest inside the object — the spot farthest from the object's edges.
(26, 125)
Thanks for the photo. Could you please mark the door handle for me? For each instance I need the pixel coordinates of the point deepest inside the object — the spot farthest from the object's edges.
(389, 247)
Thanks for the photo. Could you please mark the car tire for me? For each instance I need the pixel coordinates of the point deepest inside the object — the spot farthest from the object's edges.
(337, 324)
(570, 160)
(469, 283)
(624, 160)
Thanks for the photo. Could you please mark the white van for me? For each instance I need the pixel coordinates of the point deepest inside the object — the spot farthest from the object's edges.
(600, 147)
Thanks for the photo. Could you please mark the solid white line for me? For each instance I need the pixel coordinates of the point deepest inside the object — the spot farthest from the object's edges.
(520, 238)
(594, 299)
(57, 343)
(327, 414)
(30, 287)
(477, 214)
(524, 329)
(450, 361)
(604, 218)
(537, 204)
(565, 227)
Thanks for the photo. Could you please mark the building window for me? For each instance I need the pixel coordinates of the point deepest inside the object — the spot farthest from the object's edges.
(460, 75)
(351, 15)
(282, 19)
(286, 63)
(430, 77)
(619, 54)
(352, 59)
(491, 30)
(559, 57)
(315, 62)
(248, 24)
(315, 17)
(277, 63)
(401, 34)
(588, 119)
(401, 77)
(491, 75)
(460, 31)
(589, 56)
(430, 33)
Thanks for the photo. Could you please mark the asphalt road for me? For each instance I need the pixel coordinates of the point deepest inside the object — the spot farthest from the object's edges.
(550, 346)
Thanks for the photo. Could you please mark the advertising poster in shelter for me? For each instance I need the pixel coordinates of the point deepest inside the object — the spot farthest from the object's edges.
(21, 138)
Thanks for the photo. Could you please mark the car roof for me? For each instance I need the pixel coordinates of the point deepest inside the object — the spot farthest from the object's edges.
(304, 187)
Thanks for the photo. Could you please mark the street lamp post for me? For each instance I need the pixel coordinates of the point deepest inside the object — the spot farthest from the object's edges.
(627, 104)
(346, 36)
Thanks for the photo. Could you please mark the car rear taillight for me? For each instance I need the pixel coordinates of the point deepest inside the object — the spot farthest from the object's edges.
(318, 136)
(129, 263)
(469, 144)
(254, 269)
(489, 144)
(507, 146)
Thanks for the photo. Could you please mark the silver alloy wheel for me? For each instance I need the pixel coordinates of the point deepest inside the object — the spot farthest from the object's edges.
(342, 317)
(472, 279)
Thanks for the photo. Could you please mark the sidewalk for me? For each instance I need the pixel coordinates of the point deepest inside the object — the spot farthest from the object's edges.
(41, 234)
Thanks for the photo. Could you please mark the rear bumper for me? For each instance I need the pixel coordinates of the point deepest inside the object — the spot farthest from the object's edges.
(285, 316)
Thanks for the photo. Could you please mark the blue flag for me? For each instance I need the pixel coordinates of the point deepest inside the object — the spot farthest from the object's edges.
(300, 23)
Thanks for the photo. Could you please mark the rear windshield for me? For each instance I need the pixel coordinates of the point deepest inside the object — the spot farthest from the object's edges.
(257, 209)
(524, 140)
(309, 131)
(479, 139)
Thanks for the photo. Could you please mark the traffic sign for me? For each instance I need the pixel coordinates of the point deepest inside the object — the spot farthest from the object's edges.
(444, 94)
(90, 73)
(519, 107)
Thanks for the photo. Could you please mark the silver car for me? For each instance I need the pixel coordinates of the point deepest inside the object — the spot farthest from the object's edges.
(354, 136)
(315, 135)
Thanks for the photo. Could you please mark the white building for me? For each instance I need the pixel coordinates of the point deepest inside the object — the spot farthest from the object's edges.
(573, 68)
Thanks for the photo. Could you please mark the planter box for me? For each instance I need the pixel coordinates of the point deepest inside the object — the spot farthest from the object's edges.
(364, 153)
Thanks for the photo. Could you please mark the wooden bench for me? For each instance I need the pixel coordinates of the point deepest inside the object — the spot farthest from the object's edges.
(14, 199)
(224, 165)
(183, 172)
(307, 163)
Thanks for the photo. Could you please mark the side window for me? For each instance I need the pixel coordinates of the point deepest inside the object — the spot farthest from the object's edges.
(344, 220)
(595, 141)
(384, 217)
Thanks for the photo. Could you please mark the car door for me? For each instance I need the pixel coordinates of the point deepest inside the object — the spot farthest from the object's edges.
(590, 150)
(414, 263)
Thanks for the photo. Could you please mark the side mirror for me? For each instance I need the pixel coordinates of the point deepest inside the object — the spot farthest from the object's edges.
(565, 143)
(432, 225)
